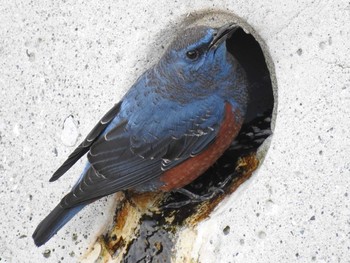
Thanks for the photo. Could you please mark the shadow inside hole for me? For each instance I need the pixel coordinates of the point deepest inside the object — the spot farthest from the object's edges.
(256, 128)
(248, 52)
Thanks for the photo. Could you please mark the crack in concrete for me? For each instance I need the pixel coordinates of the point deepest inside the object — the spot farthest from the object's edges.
(334, 63)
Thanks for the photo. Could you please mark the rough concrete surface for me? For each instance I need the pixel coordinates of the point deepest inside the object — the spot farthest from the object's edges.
(64, 64)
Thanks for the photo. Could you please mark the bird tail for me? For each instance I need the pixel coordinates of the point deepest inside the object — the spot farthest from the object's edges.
(54, 222)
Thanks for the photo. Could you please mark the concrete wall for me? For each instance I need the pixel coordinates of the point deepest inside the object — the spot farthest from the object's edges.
(63, 65)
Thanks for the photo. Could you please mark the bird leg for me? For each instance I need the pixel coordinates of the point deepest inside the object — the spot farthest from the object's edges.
(193, 198)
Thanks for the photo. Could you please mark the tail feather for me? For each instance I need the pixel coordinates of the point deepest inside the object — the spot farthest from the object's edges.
(54, 222)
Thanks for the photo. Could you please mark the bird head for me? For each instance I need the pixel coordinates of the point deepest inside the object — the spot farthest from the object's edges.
(199, 52)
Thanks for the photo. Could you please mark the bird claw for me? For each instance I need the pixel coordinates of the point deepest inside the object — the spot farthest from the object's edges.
(194, 198)
(175, 205)
(223, 184)
(216, 190)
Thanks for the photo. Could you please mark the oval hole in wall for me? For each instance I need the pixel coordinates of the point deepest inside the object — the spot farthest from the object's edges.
(251, 52)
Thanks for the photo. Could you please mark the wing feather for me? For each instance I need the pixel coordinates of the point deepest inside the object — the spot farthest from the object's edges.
(121, 160)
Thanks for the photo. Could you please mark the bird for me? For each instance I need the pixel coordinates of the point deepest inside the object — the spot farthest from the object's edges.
(173, 123)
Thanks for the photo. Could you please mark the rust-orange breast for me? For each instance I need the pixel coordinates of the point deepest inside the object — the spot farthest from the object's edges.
(189, 170)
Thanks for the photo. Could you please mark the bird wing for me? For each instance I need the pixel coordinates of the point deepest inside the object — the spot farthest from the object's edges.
(119, 160)
(86, 144)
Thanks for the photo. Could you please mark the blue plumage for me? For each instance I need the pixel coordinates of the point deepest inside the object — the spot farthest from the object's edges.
(170, 115)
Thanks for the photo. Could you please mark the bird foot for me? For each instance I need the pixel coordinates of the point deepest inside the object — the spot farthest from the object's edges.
(194, 198)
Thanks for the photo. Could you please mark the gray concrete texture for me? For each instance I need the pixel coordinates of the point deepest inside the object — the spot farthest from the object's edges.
(64, 64)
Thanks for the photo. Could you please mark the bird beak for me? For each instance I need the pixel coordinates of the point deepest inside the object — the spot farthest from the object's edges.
(222, 34)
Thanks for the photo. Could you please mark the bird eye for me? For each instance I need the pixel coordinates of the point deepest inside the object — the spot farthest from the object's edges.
(192, 54)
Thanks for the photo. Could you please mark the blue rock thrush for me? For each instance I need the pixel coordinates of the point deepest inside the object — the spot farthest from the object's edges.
(170, 127)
